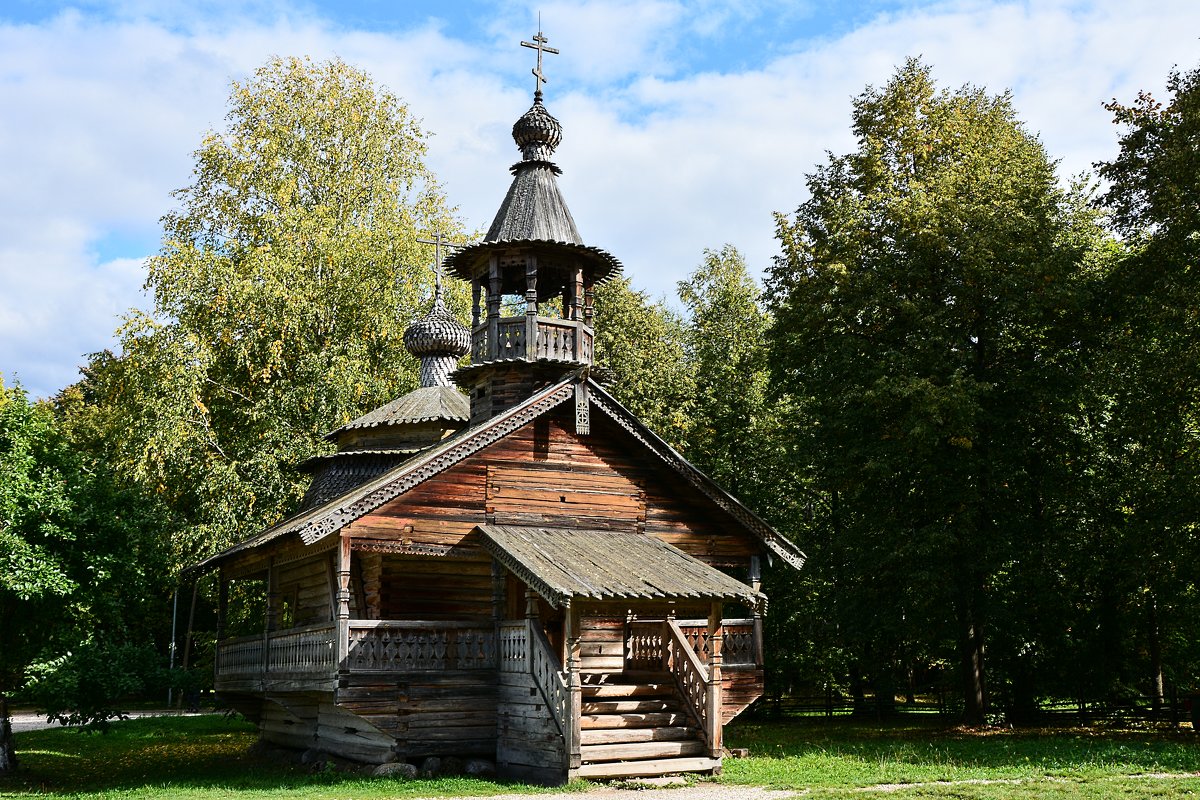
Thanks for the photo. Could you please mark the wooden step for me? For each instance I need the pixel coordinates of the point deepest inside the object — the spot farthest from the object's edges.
(626, 706)
(633, 676)
(651, 720)
(645, 769)
(590, 736)
(629, 690)
(590, 754)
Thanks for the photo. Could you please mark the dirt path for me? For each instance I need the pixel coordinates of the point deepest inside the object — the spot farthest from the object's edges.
(696, 791)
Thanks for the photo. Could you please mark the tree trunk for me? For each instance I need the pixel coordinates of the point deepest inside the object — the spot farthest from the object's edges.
(8, 753)
(1156, 663)
(971, 655)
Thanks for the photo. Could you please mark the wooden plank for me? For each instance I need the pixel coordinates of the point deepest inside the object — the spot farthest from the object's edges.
(625, 752)
(641, 769)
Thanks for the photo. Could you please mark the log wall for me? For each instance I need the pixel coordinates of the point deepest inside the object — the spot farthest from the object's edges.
(530, 746)
(303, 586)
(432, 588)
(544, 474)
(428, 714)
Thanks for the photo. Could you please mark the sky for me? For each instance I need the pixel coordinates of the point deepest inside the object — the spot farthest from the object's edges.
(687, 123)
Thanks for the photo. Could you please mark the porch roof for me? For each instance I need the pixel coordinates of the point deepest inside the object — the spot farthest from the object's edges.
(563, 564)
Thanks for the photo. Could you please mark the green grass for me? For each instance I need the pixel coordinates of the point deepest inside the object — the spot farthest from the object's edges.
(842, 757)
(195, 758)
(206, 758)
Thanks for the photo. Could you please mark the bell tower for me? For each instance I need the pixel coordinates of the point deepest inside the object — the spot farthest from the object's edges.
(531, 277)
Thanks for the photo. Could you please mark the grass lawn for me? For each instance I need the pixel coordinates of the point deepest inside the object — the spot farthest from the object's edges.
(194, 758)
(206, 758)
(842, 758)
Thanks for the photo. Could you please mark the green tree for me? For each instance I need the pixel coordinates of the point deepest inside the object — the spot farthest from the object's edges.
(284, 283)
(726, 345)
(82, 567)
(642, 346)
(1153, 424)
(927, 305)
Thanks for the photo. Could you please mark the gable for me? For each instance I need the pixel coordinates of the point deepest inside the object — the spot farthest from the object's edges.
(448, 486)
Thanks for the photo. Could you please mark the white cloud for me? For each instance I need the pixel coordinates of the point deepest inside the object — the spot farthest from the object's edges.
(102, 114)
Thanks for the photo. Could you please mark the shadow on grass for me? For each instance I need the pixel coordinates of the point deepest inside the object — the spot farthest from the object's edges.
(186, 757)
(803, 752)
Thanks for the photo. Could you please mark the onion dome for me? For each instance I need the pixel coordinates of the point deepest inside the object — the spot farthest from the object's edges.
(537, 133)
(439, 341)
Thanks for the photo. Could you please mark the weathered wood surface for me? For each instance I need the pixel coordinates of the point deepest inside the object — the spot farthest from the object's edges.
(443, 713)
(546, 475)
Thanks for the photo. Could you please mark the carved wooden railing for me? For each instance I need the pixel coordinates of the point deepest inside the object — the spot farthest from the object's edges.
(644, 646)
(403, 646)
(691, 676)
(550, 681)
(739, 649)
(557, 339)
(305, 649)
(513, 647)
(240, 658)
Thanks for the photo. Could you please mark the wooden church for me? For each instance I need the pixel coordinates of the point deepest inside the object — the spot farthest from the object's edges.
(514, 568)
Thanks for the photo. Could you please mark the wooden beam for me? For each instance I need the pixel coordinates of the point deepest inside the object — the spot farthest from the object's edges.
(715, 641)
(573, 628)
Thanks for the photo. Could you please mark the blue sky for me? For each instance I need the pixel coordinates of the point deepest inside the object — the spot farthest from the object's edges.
(687, 123)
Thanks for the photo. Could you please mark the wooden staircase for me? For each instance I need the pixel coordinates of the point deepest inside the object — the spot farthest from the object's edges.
(634, 724)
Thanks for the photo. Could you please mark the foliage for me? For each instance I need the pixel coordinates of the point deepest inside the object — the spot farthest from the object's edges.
(85, 686)
(725, 332)
(928, 304)
(284, 283)
(82, 564)
(641, 343)
(1151, 426)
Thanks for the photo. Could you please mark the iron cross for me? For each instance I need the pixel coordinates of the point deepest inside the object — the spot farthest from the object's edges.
(541, 47)
(438, 241)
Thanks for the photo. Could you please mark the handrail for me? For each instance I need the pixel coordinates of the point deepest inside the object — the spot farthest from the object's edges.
(691, 677)
(741, 642)
(550, 681)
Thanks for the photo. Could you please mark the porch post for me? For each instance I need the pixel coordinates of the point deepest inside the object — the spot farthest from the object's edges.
(222, 617)
(269, 622)
(756, 585)
(343, 603)
(574, 686)
(715, 641)
(666, 637)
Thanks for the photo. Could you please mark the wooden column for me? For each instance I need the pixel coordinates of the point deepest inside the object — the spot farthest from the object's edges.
(269, 622)
(493, 309)
(589, 301)
(476, 291)
(573, 732)
(531, 308)
(222, 616)
(370, 572)
(576, 307)
(666, 637)
(715, 641)
(343, 603)
(756, 585)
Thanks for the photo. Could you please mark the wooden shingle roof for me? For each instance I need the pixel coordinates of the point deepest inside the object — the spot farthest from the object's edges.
(564, 564)
(427, 404)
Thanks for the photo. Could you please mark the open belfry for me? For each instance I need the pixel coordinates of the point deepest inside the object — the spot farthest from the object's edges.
(512, 568)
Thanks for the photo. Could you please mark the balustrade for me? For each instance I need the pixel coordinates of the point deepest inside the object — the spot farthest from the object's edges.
(555, 339)
(691, 676)
(396, 646)
(738, 649)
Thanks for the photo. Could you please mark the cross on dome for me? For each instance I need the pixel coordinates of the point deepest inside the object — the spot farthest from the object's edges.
(438, 241)
(541, 47)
